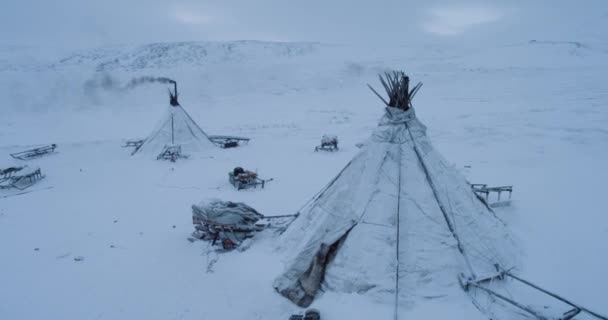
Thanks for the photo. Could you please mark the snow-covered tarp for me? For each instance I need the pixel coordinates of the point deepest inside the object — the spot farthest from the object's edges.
(229, 213)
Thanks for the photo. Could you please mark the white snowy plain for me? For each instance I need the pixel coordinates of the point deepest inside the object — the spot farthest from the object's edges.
(528, 114)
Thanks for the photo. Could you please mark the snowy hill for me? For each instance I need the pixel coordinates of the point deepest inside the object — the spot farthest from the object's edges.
(530, 113)
(171, 55)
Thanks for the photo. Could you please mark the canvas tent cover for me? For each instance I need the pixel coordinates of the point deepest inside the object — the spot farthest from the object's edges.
(397, 221)
(176, 128)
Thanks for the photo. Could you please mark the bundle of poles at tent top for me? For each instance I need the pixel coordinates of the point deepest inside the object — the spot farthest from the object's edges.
(397, 84)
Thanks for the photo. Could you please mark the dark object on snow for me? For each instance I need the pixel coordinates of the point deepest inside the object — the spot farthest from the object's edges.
(484, 191)
(34, 153)
(310, 314)
(397, 84)
(328, 143)
(243, 179)
(171, 153)
(228, 141)
(173, 95)
(19, 178)
(481, 283)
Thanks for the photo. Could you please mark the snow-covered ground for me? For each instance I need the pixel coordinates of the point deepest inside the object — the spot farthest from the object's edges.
(530, 114)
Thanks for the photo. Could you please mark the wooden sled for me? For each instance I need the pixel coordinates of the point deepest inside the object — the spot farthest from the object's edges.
(229, 141)
(19, 178)
(484, 192)
(34, 153)
(243, 179)
(171, 153)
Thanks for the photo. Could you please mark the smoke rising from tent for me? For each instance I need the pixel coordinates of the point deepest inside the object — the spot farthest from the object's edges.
(100, 81)
(108, 83)
(147, 79)
(103, 82)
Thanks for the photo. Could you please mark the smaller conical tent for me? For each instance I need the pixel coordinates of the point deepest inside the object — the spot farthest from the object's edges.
(176, 128)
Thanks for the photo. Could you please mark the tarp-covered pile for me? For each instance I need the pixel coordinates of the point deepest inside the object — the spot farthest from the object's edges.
(225, 221)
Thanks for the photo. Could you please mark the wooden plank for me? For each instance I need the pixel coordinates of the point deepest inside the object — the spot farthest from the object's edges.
(229, 138)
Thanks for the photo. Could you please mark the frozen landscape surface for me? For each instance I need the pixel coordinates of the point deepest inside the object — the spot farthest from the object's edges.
(532, 114)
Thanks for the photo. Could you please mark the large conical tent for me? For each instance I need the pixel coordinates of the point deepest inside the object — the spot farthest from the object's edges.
(398, 222)
(177, 128)
(401, 225)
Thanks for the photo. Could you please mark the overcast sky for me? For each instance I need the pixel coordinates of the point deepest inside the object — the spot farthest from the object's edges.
(80, 23)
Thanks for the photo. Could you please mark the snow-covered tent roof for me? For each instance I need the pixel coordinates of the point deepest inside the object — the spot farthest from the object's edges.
(176, 128)
(398, 222)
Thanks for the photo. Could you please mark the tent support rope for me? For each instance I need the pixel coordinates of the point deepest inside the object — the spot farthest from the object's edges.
(567, 315)
(398, 237)
(441, 207)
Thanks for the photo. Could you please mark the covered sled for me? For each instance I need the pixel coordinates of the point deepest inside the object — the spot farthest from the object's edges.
(328, 143)
(243, 179)
(228, 223)
(225, 222)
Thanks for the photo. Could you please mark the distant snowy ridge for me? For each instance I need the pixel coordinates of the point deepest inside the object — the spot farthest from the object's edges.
(160, 55)
(37, 79)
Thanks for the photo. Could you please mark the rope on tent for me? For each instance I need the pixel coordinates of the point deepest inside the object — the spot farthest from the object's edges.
(320, 192)
(439, 203)
(197, 126)
(494, 258)
(397, 269)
